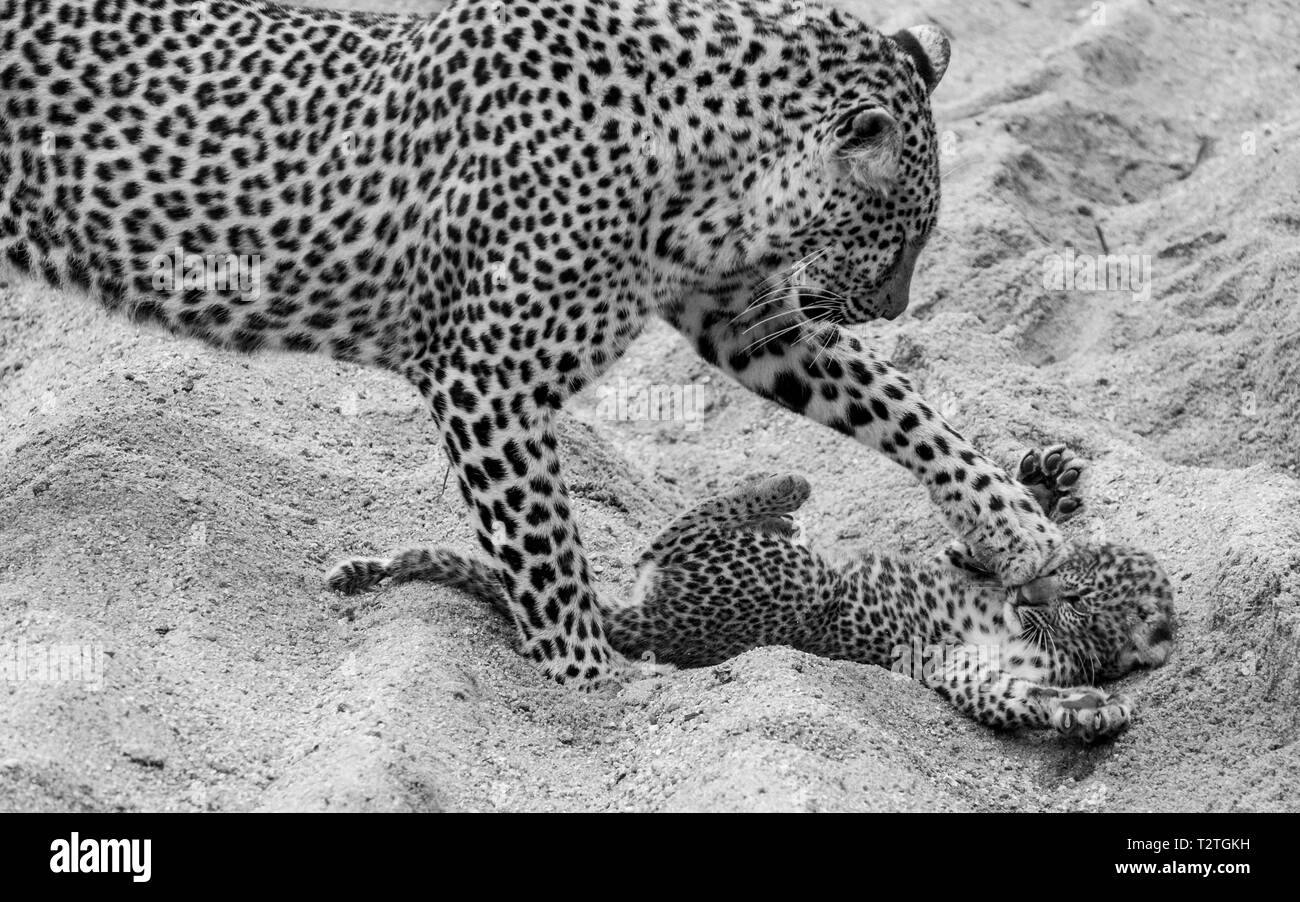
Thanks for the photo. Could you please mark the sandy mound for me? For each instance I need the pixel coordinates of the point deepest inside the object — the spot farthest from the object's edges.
(179, 504)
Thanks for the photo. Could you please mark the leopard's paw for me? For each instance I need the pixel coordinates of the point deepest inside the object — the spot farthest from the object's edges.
(779, 495)
(1019, 535)
(1017, 543)
(357, 575)
(1089, 714)
(1054, 476)
(601, 669)
(625, 670)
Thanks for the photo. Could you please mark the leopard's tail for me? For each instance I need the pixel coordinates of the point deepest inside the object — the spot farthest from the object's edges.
(435, 565)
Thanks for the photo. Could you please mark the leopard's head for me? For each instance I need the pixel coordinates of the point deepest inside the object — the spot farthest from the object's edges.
(1110, 606)
(855, 197)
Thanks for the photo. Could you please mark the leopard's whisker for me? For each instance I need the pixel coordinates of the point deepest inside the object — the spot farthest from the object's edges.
(780, 314)
(824, 312)
(821, 322)
(768, 319)
(1056, 652)
(954, 167)
(830, 339)
(776, 295)
(752, 308)
(805, 260)
(776, 282)
(773, 336)
(803, 311)
(784, 292)
(765, 339)
(774, 290)
(817, 322)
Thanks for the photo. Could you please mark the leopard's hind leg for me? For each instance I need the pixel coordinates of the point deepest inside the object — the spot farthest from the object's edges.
(759, 502)
(727, 576)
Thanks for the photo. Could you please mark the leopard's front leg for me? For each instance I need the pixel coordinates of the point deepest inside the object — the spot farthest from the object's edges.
(504, 450)
(1000, 700)
(839, 382)
(508, 466)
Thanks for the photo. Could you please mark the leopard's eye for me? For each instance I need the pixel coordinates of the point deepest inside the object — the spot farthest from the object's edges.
(1083, 602)
(1071, 612)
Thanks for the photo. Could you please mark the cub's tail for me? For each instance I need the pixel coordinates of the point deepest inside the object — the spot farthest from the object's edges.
(435, 565)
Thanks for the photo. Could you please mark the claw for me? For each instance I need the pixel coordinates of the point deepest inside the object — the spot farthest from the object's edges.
(1090, 715)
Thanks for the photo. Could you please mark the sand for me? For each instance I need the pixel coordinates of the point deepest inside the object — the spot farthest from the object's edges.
(177, 505)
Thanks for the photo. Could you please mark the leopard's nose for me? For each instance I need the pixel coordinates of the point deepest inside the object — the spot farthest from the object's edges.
(898, 290)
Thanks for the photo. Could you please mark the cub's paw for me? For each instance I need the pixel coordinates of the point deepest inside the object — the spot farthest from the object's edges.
(778, 495)
(1054, 477)
(357, 575)
(1089, 714)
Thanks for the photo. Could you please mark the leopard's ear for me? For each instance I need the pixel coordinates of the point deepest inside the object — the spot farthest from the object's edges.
(929, 49)
(869, 141)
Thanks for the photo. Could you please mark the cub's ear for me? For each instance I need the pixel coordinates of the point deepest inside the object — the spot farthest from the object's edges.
(928, 47)
(869, 141)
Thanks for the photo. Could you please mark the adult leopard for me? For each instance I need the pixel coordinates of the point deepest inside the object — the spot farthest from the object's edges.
(491, 202)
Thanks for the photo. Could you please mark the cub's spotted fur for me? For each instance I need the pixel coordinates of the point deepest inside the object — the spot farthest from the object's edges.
(491, 202)
(728, 577)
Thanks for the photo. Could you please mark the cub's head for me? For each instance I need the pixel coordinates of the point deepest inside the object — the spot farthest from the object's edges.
(853, 198)
(1110, 606)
